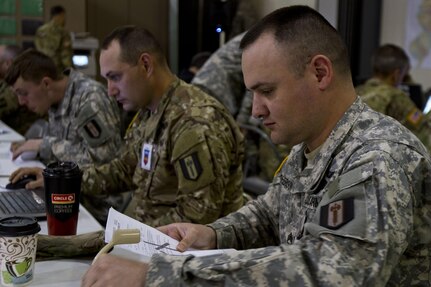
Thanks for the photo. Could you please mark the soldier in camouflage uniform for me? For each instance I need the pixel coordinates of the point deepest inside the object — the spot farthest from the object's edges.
(84, 123)
(390, 64)
(221, 75)
(351, 205)
(185, 164)
(53, 40)
(119, 171)
(189, 166)
(11, 113)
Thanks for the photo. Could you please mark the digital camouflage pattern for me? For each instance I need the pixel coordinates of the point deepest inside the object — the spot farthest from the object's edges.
(115, 176)
(393, 102)
(195, 172)
(85, 126)
(359, 214)
(17, 117)
(55, 42)
(221, 75)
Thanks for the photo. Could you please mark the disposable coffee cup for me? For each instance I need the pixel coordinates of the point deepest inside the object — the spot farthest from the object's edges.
(62, 192)
(18, 244)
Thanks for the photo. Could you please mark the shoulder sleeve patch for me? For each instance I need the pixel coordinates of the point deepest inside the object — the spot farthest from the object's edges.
(337, 213)
(92, 128)
(414, 117)
(192, 161)
(191, 166)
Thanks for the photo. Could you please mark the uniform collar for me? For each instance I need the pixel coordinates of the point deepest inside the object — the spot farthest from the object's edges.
(310, 177)
(153, 121)
(62, 107)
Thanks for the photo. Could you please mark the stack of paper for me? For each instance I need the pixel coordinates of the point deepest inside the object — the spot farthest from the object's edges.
(152, 240)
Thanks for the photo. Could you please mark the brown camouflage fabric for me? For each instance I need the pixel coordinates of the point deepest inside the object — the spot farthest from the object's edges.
(54, 41)
(393, 102)
(17, 117)
(116, 176)
(196, 171)
(301, 233)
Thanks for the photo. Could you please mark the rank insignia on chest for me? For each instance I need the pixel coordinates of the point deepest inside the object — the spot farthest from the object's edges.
(337, 213)
(93, 129)
(191, 167)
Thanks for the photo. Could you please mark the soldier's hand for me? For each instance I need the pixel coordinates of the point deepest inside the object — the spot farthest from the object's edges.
(30, 145)
(109, 270)
(23, 171)
(15, 145)
(191, 235)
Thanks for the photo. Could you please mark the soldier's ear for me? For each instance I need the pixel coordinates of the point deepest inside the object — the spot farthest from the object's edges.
(46, 82)
(146, 62)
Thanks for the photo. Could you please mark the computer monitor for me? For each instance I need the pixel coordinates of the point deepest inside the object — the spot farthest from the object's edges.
(80, 61)
(415, 93)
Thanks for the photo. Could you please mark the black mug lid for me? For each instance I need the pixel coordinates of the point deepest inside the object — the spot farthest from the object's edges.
(18, 226)
(62, 168)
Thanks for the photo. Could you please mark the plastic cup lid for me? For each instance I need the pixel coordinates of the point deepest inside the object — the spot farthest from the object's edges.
(18, 226)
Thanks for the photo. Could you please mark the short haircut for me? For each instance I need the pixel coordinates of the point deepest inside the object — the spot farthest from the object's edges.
(305, 33)
(31, 66)
(134, 41)
(56, 10)
(388, 58)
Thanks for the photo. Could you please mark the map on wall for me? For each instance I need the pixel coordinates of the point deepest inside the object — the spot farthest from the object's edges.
(418, 36)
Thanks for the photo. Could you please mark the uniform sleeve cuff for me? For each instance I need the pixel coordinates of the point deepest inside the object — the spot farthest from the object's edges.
(166, 270)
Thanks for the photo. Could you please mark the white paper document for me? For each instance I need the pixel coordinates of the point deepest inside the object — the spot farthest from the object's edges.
(152, 240)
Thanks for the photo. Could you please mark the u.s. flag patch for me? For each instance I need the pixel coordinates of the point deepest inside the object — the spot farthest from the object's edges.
(414, 117)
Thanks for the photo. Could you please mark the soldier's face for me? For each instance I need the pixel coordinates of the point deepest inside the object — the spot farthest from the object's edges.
(33, 96)
(281, 99)
(125, 82)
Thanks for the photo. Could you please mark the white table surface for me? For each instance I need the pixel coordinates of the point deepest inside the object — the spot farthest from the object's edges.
(65, 272)
(7, 134)
(58, 273)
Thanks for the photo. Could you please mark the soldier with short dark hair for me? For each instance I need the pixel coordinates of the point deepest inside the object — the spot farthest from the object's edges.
(184, 156)
(11, 113)
(349, 207)
(191, 151)
(83, 122)
(382, 92)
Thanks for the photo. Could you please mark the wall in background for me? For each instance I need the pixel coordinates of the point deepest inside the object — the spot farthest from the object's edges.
(393, 30)
(266, 6)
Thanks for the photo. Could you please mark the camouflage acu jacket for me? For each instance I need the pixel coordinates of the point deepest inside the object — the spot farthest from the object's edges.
(221, 75)
(393, 102)
(189, 165)
(54, 41)
(360, 216)
(85, 126)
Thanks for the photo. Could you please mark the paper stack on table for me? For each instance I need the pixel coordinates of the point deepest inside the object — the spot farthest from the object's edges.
(152, 240)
